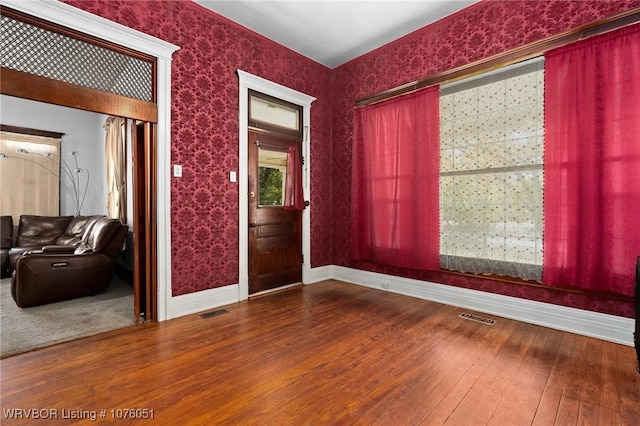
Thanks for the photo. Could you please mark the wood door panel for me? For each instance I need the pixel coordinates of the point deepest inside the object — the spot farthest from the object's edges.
(277, 260)
(278, 229)
(273, 268)
(271, 244)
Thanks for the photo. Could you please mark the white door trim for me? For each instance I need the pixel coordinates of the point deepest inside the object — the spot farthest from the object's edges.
(247, 82)
(87, 23)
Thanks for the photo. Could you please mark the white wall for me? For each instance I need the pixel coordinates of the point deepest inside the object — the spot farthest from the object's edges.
(83, 133)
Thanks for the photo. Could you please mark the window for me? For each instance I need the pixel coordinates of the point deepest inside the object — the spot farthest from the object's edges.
(273, 114)
(272, 167)
(491, 172)
(29, 173)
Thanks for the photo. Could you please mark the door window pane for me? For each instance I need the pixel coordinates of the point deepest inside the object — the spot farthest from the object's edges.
(272, 168)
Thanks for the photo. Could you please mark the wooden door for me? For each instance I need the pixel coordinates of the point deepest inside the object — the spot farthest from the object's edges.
(275, 234)
(143, 222)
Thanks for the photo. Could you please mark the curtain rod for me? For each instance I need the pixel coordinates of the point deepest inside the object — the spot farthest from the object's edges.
(509, 57)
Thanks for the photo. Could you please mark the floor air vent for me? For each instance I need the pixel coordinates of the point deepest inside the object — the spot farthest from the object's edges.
(477, 318)
(214, 313)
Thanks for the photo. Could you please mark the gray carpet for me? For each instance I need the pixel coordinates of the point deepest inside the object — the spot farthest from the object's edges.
(23, 330)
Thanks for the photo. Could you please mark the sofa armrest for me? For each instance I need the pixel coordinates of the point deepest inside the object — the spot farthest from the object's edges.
(61, 249)
(49, 249)
(47, 261)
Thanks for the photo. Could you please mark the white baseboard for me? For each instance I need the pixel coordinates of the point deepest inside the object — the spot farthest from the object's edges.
(203, 300)
(593, 324)
(321, 273)
(208, 299)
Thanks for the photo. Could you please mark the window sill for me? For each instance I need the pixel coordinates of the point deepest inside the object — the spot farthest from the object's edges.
(518, 281)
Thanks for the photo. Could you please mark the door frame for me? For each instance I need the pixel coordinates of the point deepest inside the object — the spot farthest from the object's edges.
(259, 84)
(96, 26)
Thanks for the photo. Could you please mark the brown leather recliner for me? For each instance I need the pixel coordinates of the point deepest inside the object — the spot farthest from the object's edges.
(34, 232)
(59, 272)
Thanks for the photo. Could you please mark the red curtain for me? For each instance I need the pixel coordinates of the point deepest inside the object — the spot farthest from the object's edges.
(293, 194)
(395, 182)
(592, 163)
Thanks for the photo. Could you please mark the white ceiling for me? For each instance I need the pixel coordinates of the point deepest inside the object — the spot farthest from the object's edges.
(333, 32)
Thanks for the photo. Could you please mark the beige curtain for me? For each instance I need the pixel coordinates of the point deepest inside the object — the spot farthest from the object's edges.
(115, 148)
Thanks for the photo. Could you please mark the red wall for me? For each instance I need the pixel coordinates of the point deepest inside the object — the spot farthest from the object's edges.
(205, 129)
(481, 30)
(204, 108)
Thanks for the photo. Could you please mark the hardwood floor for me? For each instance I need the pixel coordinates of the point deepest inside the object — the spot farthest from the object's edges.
(329, 353)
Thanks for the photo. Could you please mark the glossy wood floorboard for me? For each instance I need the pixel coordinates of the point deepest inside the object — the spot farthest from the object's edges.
(329, 353)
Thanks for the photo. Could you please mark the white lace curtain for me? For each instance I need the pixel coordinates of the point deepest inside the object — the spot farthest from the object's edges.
(491, 174)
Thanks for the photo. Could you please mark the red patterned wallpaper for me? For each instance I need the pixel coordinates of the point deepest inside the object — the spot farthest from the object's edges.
(205, 130)
(481, 30)
(204, 204)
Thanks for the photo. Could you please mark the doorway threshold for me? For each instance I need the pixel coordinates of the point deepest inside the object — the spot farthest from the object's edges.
(275, 290)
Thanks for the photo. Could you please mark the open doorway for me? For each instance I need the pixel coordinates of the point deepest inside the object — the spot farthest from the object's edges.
(84, 136)
(75, 21)
(141, 106)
